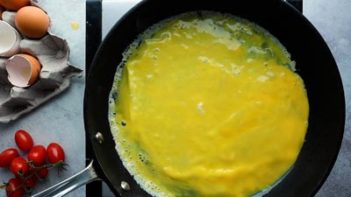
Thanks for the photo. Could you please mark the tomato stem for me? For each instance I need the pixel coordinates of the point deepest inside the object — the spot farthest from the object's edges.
(59, 164)
(3, 186)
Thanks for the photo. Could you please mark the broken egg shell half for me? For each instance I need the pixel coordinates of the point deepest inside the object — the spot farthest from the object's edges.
(9, 40)
(23, 70)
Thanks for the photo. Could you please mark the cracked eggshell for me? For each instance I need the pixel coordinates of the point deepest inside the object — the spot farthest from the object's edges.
(9, 40)
(23, 70)
(55, 75)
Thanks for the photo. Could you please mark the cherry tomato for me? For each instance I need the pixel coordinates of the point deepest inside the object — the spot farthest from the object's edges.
(37, 155)
(14, 188)
(23, 140)
(30, 182)
(43, 173)
(19, 167)
(7, 156)
(55, 153)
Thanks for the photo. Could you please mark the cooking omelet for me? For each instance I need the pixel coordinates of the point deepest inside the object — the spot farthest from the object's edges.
(207, 104)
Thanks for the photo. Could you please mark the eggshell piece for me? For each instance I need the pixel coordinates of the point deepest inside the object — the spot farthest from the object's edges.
(14, 5)
(9, 40)
(23, 70)
(32, 22)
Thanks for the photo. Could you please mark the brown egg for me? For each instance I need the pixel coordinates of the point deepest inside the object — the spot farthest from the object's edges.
(23, 70)
(32, 22)
(14, 5)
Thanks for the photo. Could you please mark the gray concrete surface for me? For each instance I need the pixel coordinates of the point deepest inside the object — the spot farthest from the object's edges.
(333, 20)
(61, 119)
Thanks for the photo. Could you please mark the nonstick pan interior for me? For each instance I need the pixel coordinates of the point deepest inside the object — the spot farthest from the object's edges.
(314, 64)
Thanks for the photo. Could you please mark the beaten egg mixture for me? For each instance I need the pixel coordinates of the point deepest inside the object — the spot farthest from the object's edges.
(208, 105)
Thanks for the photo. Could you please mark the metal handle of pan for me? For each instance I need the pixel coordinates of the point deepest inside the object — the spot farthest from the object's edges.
(84, 177)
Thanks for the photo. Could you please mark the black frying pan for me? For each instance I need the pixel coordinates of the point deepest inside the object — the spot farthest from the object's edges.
(314, 63)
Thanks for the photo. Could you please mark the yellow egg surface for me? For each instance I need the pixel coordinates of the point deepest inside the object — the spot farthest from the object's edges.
(208, 104)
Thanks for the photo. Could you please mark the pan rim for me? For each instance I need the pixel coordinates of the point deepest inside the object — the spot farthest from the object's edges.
(287, 6)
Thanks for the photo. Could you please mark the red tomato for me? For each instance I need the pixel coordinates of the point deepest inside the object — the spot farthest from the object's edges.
(55, 153)
(7, 156)
(43, 173)
(14, 188)
(23, 140)
(19, 167)
(37, 155)
(31, 182)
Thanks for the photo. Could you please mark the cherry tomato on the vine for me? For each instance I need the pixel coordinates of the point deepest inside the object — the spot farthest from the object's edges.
(19, 167)
(7, 156)
(30, 182)
(43, 173)
(55, 153)
(29, 172)
(14, 188)
(37, 155)
(24, 140)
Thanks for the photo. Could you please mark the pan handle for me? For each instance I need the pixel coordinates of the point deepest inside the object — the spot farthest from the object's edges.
(84, 177)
